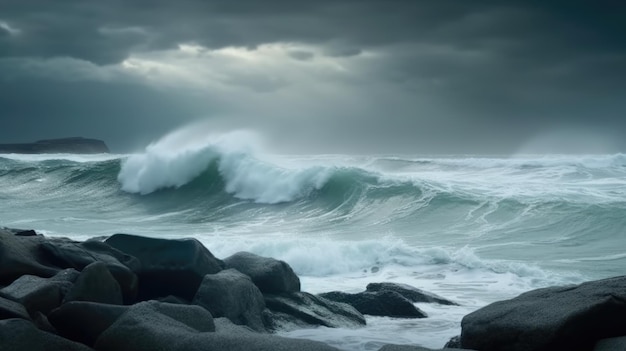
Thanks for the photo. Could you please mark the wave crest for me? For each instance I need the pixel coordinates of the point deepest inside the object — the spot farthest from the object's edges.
(170, 164)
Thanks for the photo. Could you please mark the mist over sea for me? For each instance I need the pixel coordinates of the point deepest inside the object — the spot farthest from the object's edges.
(474, 229)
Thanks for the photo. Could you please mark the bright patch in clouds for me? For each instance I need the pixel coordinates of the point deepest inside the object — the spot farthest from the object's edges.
(266, 68)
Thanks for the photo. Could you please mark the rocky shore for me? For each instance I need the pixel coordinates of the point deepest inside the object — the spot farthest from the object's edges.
(127, 292)
(74, 145)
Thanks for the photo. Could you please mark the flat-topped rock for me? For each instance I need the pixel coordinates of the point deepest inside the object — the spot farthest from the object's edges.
(168, 266)
(271, 276)
(74, 145)
(557, 318)
(301, 309)
(385, 303)
(411, 293)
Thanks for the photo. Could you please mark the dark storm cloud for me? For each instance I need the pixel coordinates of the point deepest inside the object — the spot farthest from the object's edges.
(107, 32)
(486, 73)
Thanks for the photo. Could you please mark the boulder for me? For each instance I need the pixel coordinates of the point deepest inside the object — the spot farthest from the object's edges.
(21, 232)
(66, 253)
(454, 342)
(378, 303)
(40, 294)
(11, 309)
(556, 318)
(271, 276)
(301, 309)
(20, 334)
(151, 325)
(225, 325)
(20, 255)
(168, 267)
(192, 316)
(84, 321)
(142, 328)
(232, 294)
(411, 293)
(96, 284)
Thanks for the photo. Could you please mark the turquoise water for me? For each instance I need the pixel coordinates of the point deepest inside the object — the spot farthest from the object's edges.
(471, 228)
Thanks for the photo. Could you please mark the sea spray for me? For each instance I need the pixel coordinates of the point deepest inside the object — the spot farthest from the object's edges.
(175, 161)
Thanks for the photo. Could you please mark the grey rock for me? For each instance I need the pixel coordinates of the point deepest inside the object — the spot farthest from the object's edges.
(232, 294)
(40, 294)
(20, 334)
(95, 283)
(270, 275)
(20, 255)
(11, 309)
(303, 309)
(225, 325)
(411, 293)
(144, 329)
(378, 303)
(84, 321)
(556, 318)
(168, 267)
(192, 316)
(66, 253)
(454, 342)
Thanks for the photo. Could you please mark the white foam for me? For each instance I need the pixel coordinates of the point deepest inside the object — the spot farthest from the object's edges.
(69, 157)
(176, 160)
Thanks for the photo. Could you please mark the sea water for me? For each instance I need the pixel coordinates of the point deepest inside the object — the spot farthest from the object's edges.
(474, 229)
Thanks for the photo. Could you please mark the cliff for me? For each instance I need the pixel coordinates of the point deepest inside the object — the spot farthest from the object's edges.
(76, 145)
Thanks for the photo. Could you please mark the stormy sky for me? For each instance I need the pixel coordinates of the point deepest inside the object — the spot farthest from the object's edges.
(409, 76)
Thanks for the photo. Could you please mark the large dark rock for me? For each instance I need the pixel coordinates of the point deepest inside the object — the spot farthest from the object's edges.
(11, 309)
(378, 303)
(409, 292)
(96, 284)
(232, 294)
(556, 318)
(20, 255)
(168, 267)
(454, 342)
(22, 335)
(293, 310)
(66, 253)
(74, 145)
(270, 275)
(84, 321)
(143, 328)
(87, 321)
(44, 257)
(40, 294)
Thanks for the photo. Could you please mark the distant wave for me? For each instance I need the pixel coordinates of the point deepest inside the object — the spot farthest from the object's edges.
(244, 175)
(228, 178)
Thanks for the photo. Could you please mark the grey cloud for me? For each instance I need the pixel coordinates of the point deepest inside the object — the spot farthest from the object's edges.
(301, 55)
(79, 28)
(485, 74)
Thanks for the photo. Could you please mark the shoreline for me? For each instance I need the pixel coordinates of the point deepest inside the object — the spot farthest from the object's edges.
(86, 295)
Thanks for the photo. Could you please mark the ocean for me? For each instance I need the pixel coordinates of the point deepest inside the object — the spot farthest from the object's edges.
(472, 228)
